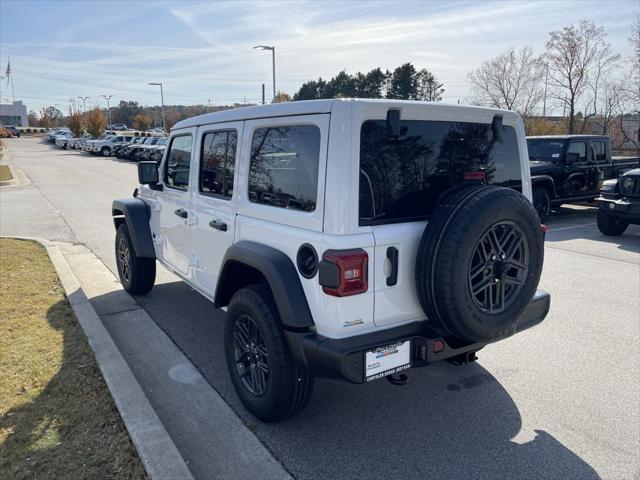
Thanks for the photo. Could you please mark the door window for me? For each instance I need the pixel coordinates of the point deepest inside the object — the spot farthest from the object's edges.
(580, 148)
(217, 164)
(600, 151)
(283, 171)
(179, 162)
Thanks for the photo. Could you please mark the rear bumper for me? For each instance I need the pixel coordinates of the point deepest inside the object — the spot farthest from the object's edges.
(345, 358)
(625, 209)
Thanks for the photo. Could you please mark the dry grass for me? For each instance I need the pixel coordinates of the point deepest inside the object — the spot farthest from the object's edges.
(57, 418)
(5, 173)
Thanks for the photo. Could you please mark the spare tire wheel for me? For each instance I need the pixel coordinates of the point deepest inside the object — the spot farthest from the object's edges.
(479, 261)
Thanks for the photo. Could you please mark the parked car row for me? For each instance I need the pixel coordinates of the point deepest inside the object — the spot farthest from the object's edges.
(128, 145)
(141, 149)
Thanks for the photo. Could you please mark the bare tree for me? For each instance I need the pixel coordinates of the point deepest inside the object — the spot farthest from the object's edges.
(513, 80)
(634, 90)
(573, 54)
(601, 85)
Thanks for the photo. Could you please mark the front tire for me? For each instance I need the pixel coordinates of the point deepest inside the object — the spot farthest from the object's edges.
(610, 225)
(137, 274)
(106, 152)
(268, 382)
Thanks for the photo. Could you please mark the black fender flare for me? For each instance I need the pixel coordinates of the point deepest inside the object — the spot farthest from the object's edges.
(280, 274)
(136, 214)
(547, 181)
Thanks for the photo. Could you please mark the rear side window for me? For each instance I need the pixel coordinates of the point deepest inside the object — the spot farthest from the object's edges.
(217, 164)
(402, 177)
(283, 171)
(178, 163)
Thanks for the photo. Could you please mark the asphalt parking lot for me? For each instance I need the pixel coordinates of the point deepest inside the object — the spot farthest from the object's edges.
(559, 401)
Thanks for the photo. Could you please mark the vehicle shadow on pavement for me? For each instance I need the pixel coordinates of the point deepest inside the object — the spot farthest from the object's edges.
(447, 422)
(71, 429)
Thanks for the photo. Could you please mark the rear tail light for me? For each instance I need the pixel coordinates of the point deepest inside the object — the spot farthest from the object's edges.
(544, 229)
(344, 272)
(477, 176)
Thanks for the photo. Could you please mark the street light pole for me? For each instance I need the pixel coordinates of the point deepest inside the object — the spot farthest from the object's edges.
(107, 98)
(84, 103)
(273, 65)
(164, 124)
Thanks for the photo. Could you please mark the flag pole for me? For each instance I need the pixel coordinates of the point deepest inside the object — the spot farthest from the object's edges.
(10, 79)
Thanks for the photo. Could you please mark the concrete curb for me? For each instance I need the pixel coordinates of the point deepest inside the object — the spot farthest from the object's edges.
(157, 451)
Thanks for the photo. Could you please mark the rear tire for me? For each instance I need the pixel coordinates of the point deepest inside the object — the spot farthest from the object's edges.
(137, 274)
(610, 225)
(479, 262)
(106, 152)
(267, 380)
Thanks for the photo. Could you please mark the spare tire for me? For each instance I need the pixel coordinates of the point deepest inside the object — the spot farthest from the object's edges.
(479, 261)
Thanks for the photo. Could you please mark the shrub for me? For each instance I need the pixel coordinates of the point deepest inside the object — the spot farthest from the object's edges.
(96, 123)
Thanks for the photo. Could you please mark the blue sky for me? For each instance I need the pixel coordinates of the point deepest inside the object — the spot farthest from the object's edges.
(203, 50)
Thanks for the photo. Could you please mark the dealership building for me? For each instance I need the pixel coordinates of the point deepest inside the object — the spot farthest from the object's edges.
(14, 114)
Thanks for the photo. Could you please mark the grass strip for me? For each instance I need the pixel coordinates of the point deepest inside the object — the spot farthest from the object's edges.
(5, 173)
(57, 417)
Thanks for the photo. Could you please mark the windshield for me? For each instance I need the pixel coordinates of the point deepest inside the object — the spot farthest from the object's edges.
(546, 149)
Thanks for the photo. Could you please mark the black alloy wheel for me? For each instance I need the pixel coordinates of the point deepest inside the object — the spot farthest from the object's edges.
(124, 259)
(499, 267)
(250, 355)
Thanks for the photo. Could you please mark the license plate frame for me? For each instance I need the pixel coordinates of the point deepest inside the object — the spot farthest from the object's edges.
(387, 360)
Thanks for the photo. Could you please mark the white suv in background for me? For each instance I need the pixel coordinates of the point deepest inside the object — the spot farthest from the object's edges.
(349, 239)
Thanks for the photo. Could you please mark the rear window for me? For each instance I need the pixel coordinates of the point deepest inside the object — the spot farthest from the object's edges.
(284, 166)
(544, 149)
(402, 177)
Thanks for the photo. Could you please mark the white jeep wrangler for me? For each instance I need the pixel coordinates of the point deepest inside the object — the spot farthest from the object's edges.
(347, 239)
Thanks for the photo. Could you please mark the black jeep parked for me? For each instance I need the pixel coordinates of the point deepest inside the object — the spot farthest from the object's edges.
(571, 168)
(619, 203)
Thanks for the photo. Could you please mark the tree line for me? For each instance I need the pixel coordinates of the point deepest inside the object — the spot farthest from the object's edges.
(405, 82)
(129, 112)
(578, 72)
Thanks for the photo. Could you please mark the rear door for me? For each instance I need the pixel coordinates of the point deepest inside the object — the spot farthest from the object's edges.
(214, 200)
(403, 176)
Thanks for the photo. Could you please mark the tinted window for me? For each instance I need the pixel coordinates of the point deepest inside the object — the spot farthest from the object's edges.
(580, 148)
(217, 164)
(178, 163)
(402, 177)
(284, 166)
(549, 150)
(600, 151)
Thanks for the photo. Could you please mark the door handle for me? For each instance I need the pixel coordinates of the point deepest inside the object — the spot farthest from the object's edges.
(181, 212)
(392, 255)
(218, 225)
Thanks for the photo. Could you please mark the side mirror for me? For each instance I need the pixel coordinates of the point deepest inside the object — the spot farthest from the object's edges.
(573, 157)
(148, 173)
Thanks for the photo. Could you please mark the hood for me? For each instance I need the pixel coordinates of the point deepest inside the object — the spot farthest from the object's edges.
(541, 165)
(632, 173)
